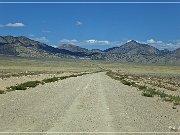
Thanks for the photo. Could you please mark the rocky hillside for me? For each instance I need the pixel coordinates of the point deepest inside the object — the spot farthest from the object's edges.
(176, 53)
(131, 51)
(134, 48)
(25, 47)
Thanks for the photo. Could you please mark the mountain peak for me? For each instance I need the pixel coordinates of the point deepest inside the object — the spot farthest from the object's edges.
(132, 41)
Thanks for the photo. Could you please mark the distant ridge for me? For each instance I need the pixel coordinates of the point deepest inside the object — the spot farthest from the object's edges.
(135, 52)
(72, 48)
(131, 51)
(25, 47)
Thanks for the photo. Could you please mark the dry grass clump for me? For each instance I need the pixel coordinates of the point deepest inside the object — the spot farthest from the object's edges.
(146, 91)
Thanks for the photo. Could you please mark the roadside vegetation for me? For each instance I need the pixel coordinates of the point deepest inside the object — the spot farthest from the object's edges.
(24, 86)
(15, 67)
(2, 92)
(32, 84)
(146, 91)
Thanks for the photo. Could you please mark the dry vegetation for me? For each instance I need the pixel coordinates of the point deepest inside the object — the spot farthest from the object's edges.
(19, 71)
(147, 90)
(17, 67)
(32, 84)
(152, 80)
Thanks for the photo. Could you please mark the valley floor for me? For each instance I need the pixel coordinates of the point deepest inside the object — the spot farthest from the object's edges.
(89, 103)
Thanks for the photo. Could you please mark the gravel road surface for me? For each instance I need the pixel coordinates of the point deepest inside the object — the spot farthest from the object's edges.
(89, 103)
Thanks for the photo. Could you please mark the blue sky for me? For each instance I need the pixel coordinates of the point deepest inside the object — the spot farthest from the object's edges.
(94, 25)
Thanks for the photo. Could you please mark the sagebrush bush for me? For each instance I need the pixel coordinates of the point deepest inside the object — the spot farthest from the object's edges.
(24, 86)
(2, 92)
(50, 80)
(126, 82)
(147, 94)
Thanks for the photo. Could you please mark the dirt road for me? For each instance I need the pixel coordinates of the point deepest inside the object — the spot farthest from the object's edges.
(89, 103)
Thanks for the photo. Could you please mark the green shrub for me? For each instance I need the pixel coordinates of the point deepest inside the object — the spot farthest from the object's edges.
(24, 86)
(63, 77)
(142, 87)
(75, 75)
(50, 80)
(122, 78)
(2, 92)
(31, 84)
(116, 78)
(168, 99)
(161, 94)
(147, 94)
(18, 87)
(176, 100)
(151, 90)
(126, 82)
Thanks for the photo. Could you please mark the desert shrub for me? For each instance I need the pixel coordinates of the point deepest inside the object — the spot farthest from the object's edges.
(24, 86)
(50, 80)
(31, 84)
(126, 82)
(72, 75)
(18, 87)
(151, 90)
(168, 99)
(2, 92)
(176, 100)
(63, 77)
(161, 94)
(122, 78)
(116, 78)
(142, 87)
(147, 94)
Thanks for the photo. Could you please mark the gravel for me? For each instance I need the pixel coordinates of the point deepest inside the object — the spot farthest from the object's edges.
(89, 103)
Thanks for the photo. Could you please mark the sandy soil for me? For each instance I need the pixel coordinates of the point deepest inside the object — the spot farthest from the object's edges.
(89, 103)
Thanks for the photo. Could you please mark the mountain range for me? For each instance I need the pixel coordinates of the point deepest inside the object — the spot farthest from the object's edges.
(131, 51)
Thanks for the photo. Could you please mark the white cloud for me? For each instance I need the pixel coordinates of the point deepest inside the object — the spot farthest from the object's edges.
(68, 41)
(159, 42)
(170, 45)
(78, 23)
(42, 39)
(93, 41)
(90, 42)
(151, 41)
(13, 25)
